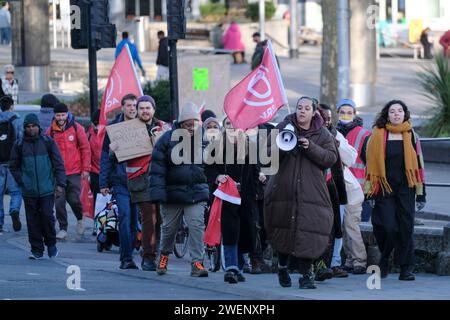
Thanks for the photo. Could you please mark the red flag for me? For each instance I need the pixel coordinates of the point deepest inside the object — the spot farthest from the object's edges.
(257, 98)
(122, 81)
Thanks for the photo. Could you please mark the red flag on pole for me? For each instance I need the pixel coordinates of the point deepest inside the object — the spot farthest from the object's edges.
(122, 81)
(257, 98)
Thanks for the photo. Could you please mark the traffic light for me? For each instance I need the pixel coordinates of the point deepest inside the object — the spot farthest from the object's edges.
(176, 20)
(103, 33)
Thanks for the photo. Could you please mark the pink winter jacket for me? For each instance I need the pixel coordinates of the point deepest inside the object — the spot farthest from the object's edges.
(232, 38)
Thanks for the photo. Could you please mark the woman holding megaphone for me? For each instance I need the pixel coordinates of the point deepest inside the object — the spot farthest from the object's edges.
(298, 210)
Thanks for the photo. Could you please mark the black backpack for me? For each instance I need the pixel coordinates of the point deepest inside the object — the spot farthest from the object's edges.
(7, 138)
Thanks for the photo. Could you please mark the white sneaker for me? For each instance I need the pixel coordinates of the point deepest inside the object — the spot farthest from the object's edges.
(80, 227)
(62, 235)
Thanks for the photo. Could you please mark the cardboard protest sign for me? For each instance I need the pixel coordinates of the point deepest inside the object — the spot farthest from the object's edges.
(130, 138)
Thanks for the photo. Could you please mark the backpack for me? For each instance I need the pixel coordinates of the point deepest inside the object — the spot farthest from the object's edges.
(7, 138)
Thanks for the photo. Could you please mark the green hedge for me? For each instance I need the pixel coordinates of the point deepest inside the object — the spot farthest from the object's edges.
(253, 11)
(213, 9)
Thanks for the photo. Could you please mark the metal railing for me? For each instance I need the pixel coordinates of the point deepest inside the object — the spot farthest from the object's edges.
(431, 184)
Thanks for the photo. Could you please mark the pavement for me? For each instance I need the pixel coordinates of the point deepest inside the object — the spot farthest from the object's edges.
(100, 278)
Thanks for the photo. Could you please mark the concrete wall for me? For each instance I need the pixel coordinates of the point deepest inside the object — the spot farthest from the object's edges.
(219, 80)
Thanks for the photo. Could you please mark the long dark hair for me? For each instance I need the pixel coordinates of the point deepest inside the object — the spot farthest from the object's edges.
(383, 116)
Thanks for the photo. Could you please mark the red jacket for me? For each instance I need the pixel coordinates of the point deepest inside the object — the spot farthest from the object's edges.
(96, 149)
(445, 41)
(73, 145)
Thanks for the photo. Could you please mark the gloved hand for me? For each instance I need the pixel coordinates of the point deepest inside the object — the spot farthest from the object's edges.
(371, 203)
(420, 205)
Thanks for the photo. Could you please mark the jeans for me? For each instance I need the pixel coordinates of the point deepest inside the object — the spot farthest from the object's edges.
(7, 182)
(5, 35)
(128, 217)
(234, 259)
(171, 219)
(338, 243)
(40, 222)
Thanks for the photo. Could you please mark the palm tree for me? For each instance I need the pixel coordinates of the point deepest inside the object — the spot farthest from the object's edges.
(435, 83)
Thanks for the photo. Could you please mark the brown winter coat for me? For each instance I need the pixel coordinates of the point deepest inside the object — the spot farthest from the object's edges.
(298, 211)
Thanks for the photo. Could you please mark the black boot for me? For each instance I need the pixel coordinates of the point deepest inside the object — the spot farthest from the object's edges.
(148, 264)
(405, 274)
(283, 277)
(306, 282)
(230, 277)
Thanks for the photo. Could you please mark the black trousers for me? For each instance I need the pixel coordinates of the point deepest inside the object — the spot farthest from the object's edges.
(393, 224)
(259, 231)
(40, 222)
(304, 265)
(95, 185)
(237, 224)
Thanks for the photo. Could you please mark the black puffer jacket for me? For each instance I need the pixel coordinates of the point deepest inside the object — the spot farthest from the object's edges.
(177, 183)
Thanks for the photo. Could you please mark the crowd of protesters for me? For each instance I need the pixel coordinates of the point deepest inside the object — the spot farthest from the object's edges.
(308, 212)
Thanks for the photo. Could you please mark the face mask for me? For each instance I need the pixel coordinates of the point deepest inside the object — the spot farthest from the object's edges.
(345, 119)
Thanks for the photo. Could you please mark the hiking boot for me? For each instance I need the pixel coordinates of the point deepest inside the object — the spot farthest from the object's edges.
(306, 282)
(162, 265)
(35, 256)
(80, 227)
(359, 270)
(197, 270)
(256, 266)
(240, 277)
(62, 235)
(324, 274)
(148, 265)
(52, 252)
(230, 277)
(17, 225)
(124, 265)
(283, 278)
(338, 272)
(406, 275)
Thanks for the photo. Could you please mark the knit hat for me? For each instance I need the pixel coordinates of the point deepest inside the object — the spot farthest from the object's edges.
(146, 99)
(189, 112)
(208, 114)
(60, 108)
(346, 102)
(49, 101)
(31, 118)
(209, 120)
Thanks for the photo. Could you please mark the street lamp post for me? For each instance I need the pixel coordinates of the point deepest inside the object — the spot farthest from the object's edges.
(262, 19)
(293, 51)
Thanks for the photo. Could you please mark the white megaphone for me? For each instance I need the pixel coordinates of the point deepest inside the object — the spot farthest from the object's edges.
(286, 139)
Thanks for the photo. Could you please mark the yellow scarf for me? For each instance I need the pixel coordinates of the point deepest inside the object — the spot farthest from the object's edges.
(376, 170)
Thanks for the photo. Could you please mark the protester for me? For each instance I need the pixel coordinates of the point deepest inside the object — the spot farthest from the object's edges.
(46, 114)
(180, 186)
(5, 24)
(445, 43)
(337, 181)
(298, 210)
(352, 129)
(162, 60)
(427, 45)
(113, 179)
(38, 169)
(237, 219)
(138, 185)
(133, 51)
(75, 150)
(217, 35)
(10, 132)
(232, 41)
(395, 180)
(95, 147)
(8, 85)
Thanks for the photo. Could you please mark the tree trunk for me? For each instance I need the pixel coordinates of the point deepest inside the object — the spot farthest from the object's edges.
(329, 72)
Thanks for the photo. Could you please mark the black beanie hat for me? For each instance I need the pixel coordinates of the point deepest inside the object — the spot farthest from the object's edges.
(60, 108)
(207, 114)
(31, 118)
(49, 101)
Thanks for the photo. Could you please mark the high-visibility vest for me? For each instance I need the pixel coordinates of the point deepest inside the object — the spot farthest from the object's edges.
(356, 138)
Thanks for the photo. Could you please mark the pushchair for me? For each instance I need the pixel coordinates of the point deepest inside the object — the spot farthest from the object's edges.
(107, 225)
